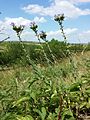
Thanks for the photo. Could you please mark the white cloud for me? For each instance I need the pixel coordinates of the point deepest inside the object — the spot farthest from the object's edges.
(6, 28)
(73, 1)
(85, 36)
(79, 1)
(27, 35)
(70, 30)
(73, 35)
(1, 25)
(57, 34)
(39, 20)
(84, 0)
(23, 21)
(67, 31)
(57, 6)
(17, 21)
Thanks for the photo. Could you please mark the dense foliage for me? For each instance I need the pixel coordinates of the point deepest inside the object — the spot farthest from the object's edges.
(41, 96)
(13, 53)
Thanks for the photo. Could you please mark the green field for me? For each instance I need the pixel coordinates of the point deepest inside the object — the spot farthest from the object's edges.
(41, 91)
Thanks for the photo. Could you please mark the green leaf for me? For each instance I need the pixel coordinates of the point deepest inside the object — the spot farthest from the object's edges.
(88, 91)
(83, 104)
(75, 87)
(54, 94)
(19, 101)
(25, 118)
(67, 115)
(41, 113)
(33, 95)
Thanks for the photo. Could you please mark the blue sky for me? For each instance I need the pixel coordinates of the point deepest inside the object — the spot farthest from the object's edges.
(76, 25)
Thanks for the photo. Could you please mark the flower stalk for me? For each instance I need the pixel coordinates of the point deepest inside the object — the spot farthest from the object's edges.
(18, 30)
(34, 27)
(43, 36)
(60, 18)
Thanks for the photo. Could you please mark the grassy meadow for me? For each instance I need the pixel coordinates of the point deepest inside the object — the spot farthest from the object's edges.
(58, 91)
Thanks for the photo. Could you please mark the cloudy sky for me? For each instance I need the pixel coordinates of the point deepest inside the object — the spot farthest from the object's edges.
(76, 24)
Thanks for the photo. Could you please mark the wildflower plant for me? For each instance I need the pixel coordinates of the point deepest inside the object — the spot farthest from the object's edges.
(43, 36)
(18, 29)
(34, 27)
(60, 18)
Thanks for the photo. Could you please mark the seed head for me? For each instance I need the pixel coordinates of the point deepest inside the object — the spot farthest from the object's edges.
(34, 26)
(59, 17)
(43, 35)
(17, 29)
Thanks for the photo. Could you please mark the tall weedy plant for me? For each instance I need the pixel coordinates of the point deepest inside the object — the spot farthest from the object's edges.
(34, 27)
(65, 93)
(60, 18)
(19, 30)
(42, 36)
